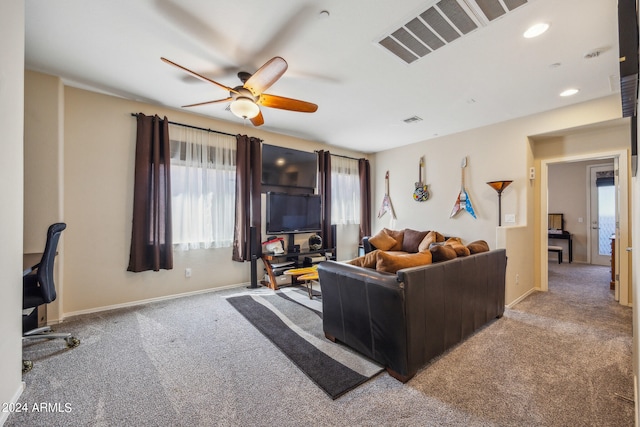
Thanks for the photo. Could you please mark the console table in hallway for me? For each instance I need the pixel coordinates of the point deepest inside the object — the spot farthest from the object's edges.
(564, 235)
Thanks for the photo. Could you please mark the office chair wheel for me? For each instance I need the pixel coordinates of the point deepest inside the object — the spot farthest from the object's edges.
(27, 365)
(72, 342)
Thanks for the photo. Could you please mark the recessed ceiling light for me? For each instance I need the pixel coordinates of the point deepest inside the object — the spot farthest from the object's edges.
(536, 30)
(569, 92)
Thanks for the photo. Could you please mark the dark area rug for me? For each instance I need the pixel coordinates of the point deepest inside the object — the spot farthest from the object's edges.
(293, 323)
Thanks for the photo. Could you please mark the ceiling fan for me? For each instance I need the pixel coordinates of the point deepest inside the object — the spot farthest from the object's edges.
(247, 99)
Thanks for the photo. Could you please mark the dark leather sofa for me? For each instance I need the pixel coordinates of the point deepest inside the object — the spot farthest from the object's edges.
(404, 320)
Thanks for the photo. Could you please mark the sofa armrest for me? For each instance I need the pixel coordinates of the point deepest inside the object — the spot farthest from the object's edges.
(364, 309)
(366, 245)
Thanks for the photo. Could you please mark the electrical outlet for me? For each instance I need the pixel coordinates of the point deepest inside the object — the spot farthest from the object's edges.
(187, 272)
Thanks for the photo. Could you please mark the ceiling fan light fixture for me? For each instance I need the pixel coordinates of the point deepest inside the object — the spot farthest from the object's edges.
(244, 108)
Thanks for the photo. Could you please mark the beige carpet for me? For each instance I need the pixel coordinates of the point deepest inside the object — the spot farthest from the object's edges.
(561, 358)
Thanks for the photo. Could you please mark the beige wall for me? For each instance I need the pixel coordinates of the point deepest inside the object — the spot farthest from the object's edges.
(95, 184)
(496, 152)
(11, 173)
(569, 186)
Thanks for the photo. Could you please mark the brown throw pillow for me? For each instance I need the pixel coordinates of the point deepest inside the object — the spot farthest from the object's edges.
(478, 246)
(458, 247)
(412, 239)
(398, 236)
(391, 263)
(442, 253)
(368, 260)
(382, 241)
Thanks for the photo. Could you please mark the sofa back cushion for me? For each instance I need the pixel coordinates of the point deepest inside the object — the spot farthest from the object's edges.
(412, 239)
(398, 236)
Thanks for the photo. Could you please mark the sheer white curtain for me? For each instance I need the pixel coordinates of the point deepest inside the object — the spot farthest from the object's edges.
(203, 178)
(345, 191)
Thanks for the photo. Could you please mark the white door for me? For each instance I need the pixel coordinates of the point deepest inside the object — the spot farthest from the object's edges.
(603, 213)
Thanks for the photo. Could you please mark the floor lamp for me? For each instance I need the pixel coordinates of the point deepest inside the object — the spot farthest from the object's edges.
(499, 186)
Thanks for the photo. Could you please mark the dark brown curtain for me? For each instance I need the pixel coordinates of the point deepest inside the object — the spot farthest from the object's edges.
(365, 197)
(324, 175)
(248, 188)
(151, 241)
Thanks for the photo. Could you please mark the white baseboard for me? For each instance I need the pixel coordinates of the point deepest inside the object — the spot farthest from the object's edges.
(5, 415)
(526, 294)
(145, 301)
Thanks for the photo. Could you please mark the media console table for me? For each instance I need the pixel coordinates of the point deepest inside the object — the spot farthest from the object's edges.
(276, 264)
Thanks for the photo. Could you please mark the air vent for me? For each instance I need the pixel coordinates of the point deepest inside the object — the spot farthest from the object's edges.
(443, 23)
(413, 119)
(629, 95)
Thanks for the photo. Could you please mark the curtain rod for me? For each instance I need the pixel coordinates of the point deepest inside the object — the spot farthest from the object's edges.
(344, 157)
(194, 127)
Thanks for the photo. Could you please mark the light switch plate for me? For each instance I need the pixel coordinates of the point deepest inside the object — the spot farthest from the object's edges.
(511, 218)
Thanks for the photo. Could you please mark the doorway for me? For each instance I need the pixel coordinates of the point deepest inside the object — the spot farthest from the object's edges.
(622, 263)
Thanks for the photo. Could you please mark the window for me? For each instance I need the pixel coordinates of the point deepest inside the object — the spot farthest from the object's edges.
(203, 180)
(345, 191)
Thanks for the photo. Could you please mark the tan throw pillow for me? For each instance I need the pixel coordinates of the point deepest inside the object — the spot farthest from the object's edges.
(429, 238)
(382, 241)
(391, 263)
(368, 260)
(478, 246)
(398, 236)
(442, 253)
(412, 239)
(458, 247)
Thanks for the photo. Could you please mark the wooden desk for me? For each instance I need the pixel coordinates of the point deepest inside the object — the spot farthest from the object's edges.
(28, 261)
(565, 235)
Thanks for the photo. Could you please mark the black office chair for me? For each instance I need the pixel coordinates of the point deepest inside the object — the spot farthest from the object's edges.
(39, 289)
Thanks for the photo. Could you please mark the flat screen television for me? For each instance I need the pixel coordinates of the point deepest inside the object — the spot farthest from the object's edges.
(293, 213)
(286, 167)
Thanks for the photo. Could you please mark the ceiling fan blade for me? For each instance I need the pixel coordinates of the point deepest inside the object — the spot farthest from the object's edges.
(274, 101)
(258, 120)
(201, 77)
(266, 75)
(208, 102)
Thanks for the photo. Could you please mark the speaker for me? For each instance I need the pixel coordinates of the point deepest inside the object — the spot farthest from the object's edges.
(253, 251)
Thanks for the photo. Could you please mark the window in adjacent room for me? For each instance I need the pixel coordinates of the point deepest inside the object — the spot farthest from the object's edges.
(345, 191)
(203, 175)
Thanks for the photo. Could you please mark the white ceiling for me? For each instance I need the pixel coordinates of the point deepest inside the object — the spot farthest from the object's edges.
(363, 92)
